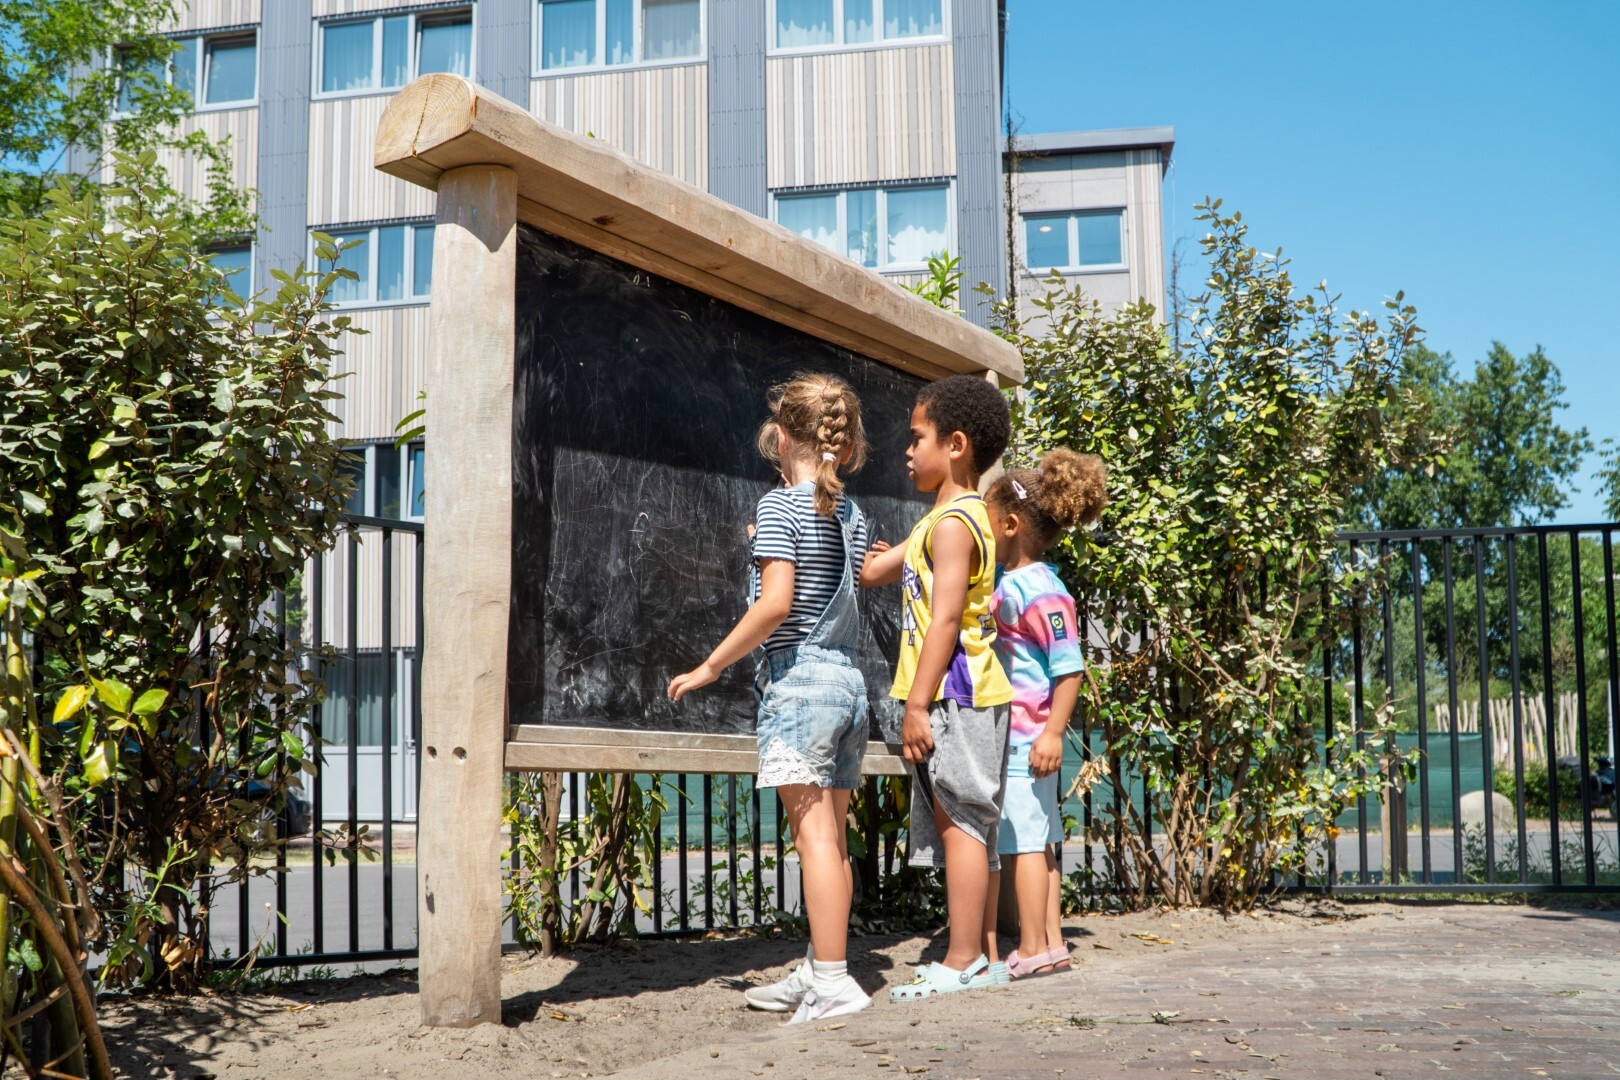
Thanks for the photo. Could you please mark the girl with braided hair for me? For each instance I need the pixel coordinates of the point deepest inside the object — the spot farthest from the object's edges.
(1038, 643)
(809, 541)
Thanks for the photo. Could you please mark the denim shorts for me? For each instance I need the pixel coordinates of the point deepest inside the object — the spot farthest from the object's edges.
(963, 778)
(1030, 818)
(812, 725)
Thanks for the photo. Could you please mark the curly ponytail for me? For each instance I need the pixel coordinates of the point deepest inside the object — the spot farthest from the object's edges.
(1065, 490)
(822, 414)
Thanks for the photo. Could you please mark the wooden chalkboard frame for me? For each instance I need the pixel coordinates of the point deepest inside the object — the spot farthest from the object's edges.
(494, 165)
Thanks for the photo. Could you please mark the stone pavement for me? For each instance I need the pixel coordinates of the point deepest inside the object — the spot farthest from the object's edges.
(1410, 991)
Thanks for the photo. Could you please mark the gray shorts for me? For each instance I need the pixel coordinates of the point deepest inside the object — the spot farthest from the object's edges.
(965, 777)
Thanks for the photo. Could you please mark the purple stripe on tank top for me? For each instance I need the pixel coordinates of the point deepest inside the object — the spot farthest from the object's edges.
(958, 685)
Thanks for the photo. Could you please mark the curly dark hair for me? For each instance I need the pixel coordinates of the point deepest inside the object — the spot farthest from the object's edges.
(971, 405)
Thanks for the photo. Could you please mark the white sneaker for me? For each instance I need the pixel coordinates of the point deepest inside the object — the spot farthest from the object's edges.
(781, 996)
(845, 998)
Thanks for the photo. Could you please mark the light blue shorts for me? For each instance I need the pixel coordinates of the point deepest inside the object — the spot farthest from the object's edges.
(1030, 818)
(812, 726)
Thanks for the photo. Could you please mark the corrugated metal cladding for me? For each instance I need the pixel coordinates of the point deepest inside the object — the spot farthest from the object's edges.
(503, 43)
(980, 228)
(367, 567)
(342, 183)
(1144, 178)
(737, 96)
(659, 116)
(205, 14)
(323, 8)
(856, 117)
(283, 114)
(383, 369)
(188, 172)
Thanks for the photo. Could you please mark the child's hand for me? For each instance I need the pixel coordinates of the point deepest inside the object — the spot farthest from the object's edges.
(878, 545)
(702, 675)
(916, 735)
(1046, 755)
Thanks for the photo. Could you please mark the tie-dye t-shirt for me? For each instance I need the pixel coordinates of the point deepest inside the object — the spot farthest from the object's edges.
(1037, 641)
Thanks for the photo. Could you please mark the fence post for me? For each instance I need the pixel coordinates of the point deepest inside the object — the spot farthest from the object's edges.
(467, 584)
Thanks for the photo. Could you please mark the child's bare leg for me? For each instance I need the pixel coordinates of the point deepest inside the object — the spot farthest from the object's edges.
(1054, 905)
(1029, 880)
(840, 800)
(992, 905)
(967, 876)
(818, 836)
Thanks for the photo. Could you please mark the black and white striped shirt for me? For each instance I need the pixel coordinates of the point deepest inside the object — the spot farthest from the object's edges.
(787, 527)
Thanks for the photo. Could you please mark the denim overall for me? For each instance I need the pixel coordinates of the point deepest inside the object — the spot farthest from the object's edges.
(812, 726)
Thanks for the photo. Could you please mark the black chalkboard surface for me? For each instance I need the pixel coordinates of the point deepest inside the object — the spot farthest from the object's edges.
(635, 476)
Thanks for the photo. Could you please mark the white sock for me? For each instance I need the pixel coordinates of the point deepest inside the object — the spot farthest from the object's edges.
(828, 974)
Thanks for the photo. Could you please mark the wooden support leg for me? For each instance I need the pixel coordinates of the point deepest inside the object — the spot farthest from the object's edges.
(466, 591)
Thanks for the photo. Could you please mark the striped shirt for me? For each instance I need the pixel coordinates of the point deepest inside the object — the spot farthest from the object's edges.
(787, 527)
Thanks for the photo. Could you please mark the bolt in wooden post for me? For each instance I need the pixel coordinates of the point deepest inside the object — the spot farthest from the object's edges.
(466, 590)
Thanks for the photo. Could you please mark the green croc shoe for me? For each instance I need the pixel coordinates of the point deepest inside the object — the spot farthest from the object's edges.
(937, 979)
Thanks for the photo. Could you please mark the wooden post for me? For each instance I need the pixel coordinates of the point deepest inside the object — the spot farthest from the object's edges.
(466, 591)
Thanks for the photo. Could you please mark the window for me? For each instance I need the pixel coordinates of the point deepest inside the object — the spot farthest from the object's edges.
(383, 476)
(614, 33)
(364, 56)
(1083, 239)
(224, 66)
(392, 264)
(830, 24)
(415, 463)
(235, 261)
(885, 228)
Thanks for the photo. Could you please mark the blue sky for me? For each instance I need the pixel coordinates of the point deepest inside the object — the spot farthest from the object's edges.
(1466, 153)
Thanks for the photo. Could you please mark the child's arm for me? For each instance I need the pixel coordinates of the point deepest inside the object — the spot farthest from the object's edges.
(882, 565)
(757, 624)
(1046, 756)
(954, 556)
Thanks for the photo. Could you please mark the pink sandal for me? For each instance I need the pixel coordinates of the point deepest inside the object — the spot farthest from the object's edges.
(1020, 967)
(1054, 957)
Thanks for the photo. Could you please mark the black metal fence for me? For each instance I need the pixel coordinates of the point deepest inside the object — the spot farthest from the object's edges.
(1493, 649)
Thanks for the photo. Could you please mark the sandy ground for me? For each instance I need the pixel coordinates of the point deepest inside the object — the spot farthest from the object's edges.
(662, 1009)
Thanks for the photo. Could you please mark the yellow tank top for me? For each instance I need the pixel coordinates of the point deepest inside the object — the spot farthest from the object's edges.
(974, 677)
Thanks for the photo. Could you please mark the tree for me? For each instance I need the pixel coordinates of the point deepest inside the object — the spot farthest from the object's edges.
(58, 90)
(1232, 459)
(1608, 477)
(168, 459)
(1509, 461)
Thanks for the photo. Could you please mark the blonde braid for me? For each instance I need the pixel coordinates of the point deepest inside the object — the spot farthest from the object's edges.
(832, 436)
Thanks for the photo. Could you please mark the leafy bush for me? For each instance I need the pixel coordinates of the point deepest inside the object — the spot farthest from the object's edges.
(1234, 447)
(167, 454)
(1537, 794)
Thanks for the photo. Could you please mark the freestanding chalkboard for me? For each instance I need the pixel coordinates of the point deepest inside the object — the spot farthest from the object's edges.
(602, 340)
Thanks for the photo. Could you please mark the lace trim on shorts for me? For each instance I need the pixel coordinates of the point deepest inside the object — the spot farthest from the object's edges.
(780, 764)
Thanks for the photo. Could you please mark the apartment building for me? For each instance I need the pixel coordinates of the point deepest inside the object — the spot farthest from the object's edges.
(871, 126)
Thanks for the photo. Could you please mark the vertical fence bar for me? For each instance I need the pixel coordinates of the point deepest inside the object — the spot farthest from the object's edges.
(318, 753)
(286, 809)
(1394, 800)
(1421, 645)
(1451, 699)
(387, 755)
(352, 587)
(243, 912)
(1327, 734)
(1519, 812)
(731, 844)
(781, 854)
(680, 842)
(755, 874)
(658, 856)
(1583, 747)
(1486, 743)
(1550, 718)
(1357, 725)
(573, 821)
(1614, 662)
(708, 852)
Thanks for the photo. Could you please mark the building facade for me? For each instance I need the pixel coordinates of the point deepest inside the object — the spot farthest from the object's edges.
(871, 126)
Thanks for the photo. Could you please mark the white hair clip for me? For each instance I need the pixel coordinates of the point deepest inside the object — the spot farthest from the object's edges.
(826, 456)
(1018, 490)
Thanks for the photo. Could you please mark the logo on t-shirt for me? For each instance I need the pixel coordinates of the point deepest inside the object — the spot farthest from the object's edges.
(1060, 625)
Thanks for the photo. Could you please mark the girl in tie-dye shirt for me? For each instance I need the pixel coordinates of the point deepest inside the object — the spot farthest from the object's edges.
(1038, 643)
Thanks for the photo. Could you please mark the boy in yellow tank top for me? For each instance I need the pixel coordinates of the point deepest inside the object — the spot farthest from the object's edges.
(956, 693)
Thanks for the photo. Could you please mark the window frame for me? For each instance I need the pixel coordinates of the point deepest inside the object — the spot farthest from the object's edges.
(237, 244)
(375, 18)
(839, 45)
(1071, 219)
(200, 42)
(368, 452)
(882, 211)
(637, 24)
(408, 256)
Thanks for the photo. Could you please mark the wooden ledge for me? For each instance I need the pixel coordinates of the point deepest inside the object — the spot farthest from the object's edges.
(588, 192)
(535, 747)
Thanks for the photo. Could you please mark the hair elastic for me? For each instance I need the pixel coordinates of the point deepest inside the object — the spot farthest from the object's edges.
(828, 456)
(1018, 490)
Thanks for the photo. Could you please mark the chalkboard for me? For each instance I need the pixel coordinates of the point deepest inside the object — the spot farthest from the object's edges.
(635, 408)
